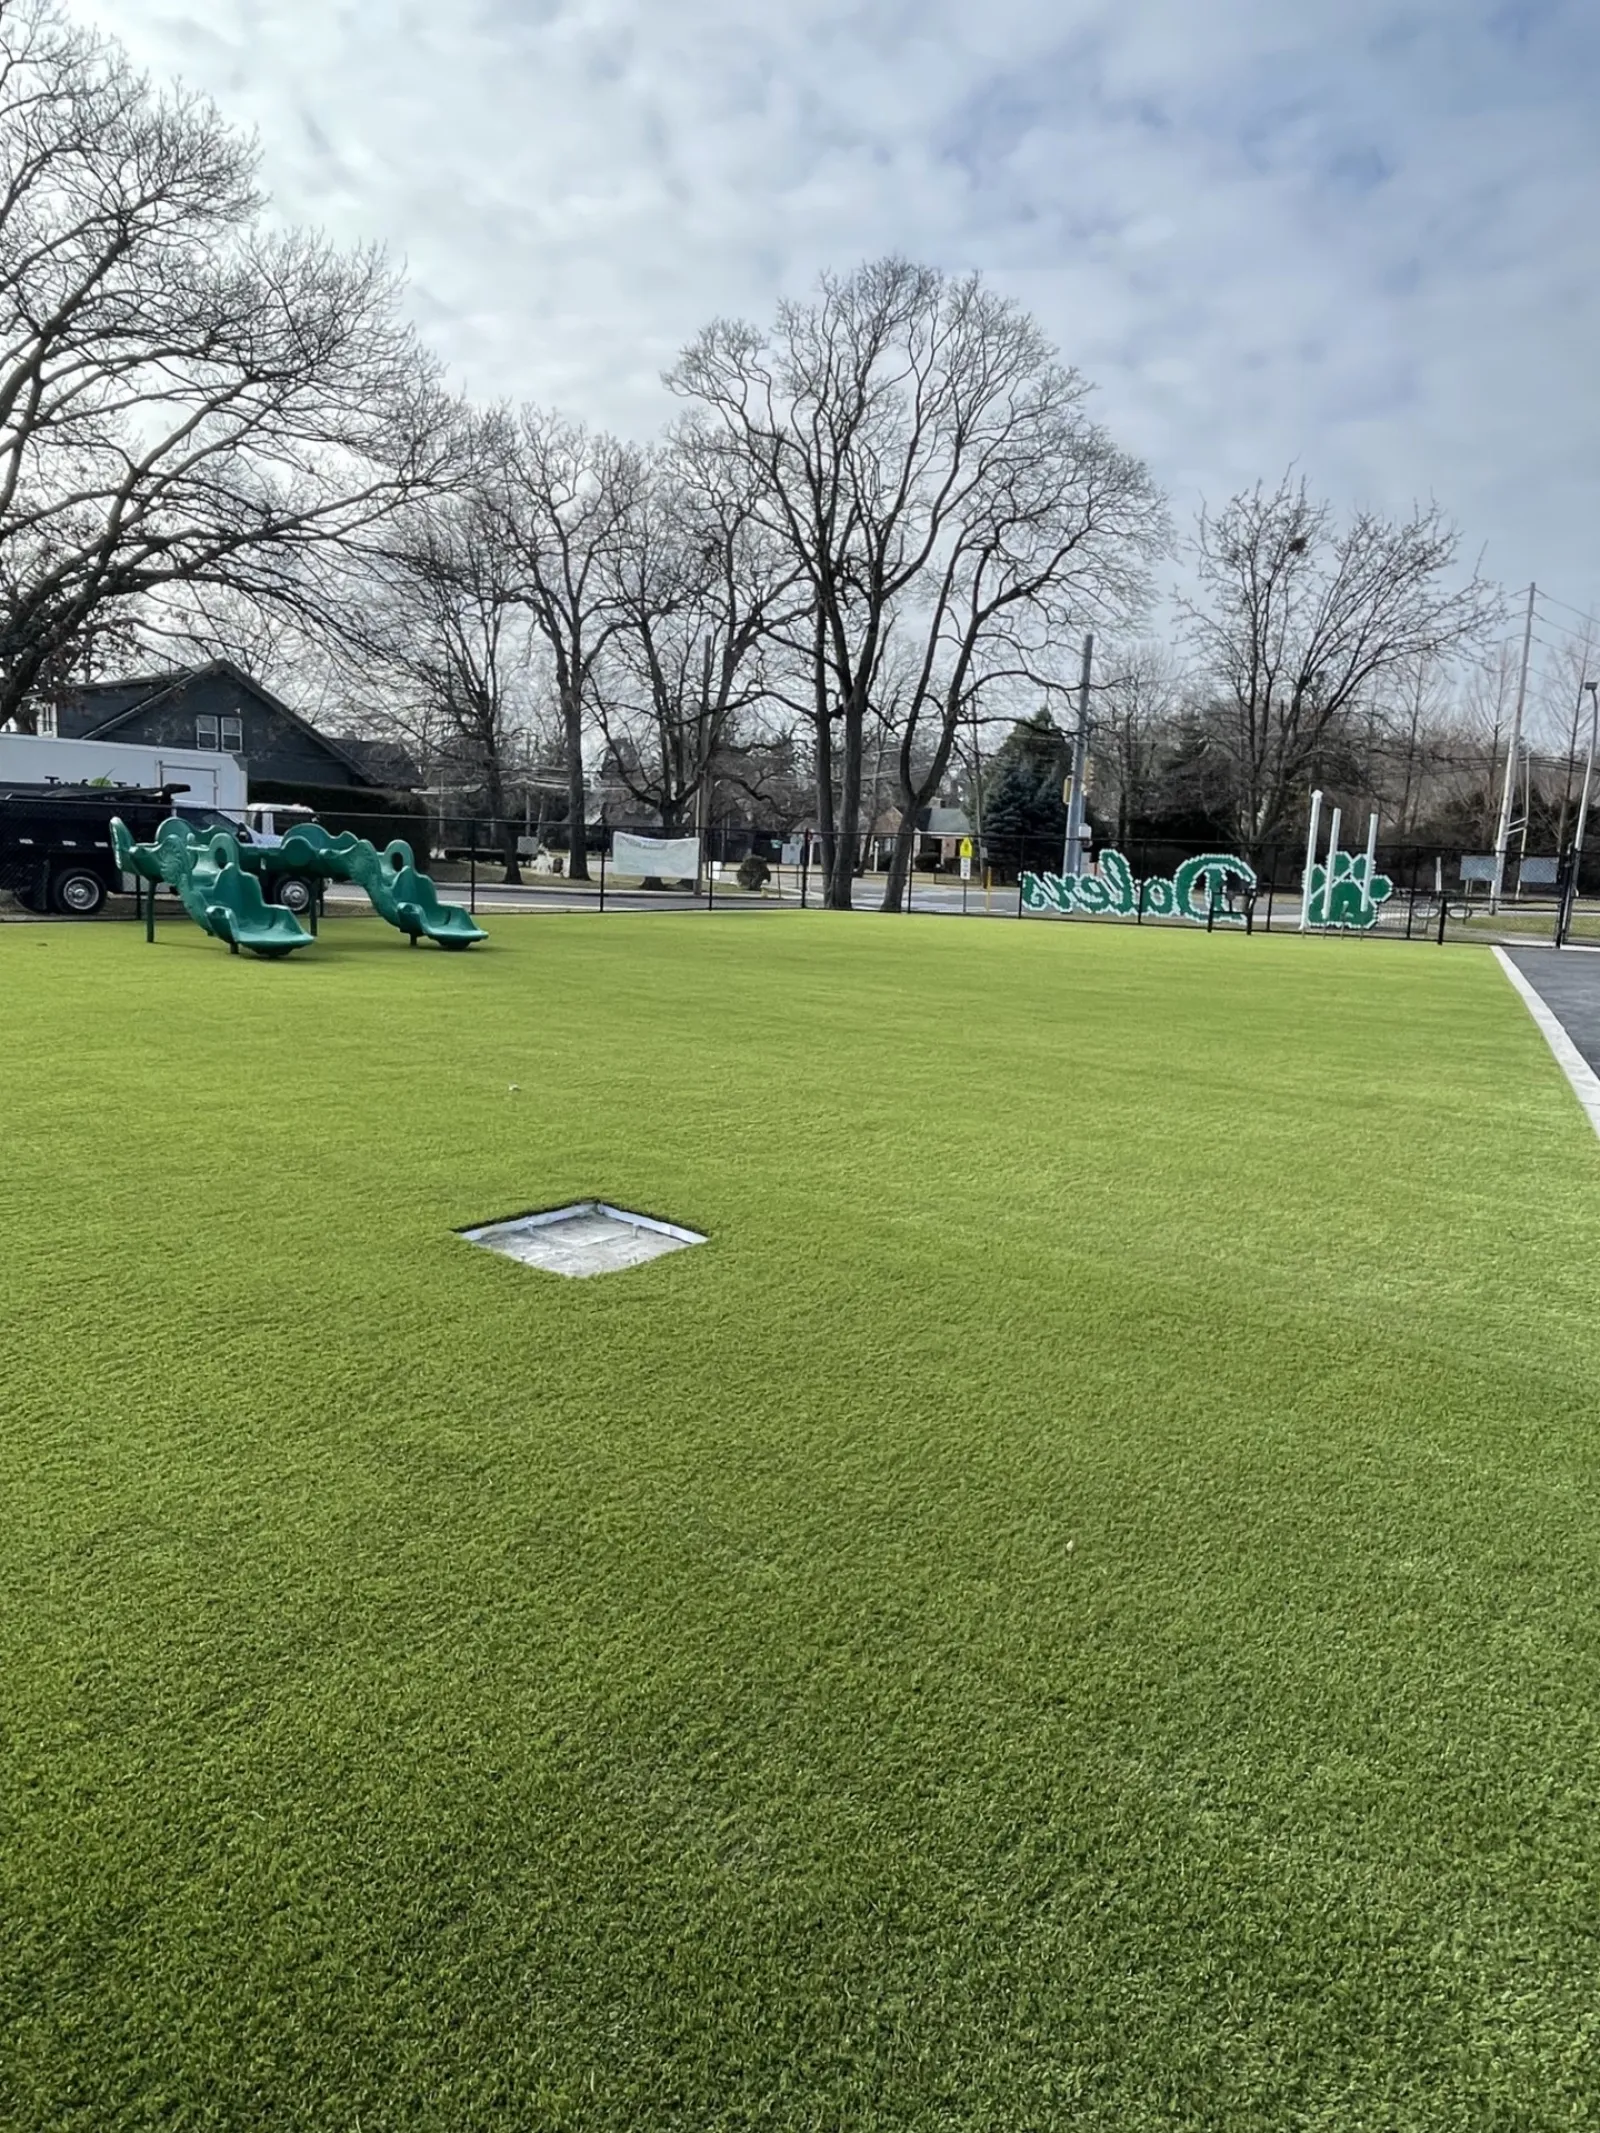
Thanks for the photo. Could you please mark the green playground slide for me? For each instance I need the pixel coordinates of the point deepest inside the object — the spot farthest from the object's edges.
(215, 890)
(397, 890)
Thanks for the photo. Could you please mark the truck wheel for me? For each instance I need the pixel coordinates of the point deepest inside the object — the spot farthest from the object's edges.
(78, 892)
(292, 892)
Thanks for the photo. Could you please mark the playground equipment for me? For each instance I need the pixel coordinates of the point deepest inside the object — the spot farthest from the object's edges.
(396, 888)
(1345, 890)
(221, 898)
(207, 873)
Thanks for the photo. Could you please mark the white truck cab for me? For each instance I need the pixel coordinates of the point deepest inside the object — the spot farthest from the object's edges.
(270, 821)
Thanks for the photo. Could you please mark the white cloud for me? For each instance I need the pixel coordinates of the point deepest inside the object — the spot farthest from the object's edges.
(1355, 233)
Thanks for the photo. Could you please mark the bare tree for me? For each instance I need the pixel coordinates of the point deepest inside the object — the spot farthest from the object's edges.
(1302, 623)
(1561, 709)
(1137, 710)
(699, 588)
(185, 399)
(567, 499)
(435, 632)
(928, 463)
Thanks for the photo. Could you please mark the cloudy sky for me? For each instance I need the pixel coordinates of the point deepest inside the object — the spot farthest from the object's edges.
(1358, 234)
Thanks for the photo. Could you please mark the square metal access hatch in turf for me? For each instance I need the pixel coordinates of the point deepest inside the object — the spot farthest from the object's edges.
(589, 1237)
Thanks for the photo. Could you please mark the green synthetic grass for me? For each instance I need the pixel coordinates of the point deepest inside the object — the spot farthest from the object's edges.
(1077, 1609)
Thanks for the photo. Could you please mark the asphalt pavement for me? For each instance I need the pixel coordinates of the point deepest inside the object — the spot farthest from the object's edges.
(1568, 982)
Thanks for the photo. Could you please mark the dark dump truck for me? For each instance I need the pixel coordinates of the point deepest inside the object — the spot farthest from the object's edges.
(55, 840)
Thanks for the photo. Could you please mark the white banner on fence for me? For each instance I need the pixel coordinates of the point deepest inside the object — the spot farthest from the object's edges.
(667, 858)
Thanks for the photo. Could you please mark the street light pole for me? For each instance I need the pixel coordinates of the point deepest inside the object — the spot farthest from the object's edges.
(1072, 862)
(1571, 899)
(1502, 835)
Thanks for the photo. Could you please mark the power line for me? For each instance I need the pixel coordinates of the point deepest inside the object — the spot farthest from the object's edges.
(1589, 636)
(1587, 613)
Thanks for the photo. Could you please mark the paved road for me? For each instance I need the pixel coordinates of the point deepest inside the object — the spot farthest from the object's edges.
(496, 896)
(1568, 982)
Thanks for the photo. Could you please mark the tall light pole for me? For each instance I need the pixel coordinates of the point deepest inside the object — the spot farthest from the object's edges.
(1572, 763)
(1502, 835)
(1571, 899)
(1072, 861)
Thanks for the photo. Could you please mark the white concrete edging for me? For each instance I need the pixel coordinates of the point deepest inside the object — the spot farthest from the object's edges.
(1585, 1082)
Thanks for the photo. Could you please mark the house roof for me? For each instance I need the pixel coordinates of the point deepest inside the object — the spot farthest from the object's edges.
(161, 686)
(931, 822)
(384, 762)
(947, 822)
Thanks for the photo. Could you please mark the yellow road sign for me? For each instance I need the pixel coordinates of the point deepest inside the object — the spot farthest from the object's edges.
(966, 847)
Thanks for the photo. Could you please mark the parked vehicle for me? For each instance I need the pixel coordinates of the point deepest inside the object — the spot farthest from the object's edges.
(55, 841)
(209, 777)
(270, 821)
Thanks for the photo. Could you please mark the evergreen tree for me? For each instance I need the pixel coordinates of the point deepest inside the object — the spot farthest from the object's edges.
(1024, 815)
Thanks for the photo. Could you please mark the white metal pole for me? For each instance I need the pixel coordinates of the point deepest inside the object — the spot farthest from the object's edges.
(1327, 868)
(1311, 858)
(1372, 857)
(1508, 792)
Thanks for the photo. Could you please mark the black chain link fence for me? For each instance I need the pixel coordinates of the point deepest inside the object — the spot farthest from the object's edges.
(1434, 893)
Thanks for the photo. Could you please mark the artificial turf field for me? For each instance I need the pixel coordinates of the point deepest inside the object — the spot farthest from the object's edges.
(1077, 1609)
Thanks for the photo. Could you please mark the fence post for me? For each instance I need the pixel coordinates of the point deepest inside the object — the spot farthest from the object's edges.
(805, 863)
(711, 879)
(472, 868)
(1444, 912)
(602, 866)
(150, 911)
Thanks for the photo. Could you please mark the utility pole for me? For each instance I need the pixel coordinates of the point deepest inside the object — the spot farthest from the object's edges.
(1502, 835)
(702, 752)
(1072, 863)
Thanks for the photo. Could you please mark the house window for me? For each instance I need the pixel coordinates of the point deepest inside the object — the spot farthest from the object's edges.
(225, 732)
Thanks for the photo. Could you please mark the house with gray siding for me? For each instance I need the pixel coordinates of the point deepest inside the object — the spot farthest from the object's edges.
(219, 705)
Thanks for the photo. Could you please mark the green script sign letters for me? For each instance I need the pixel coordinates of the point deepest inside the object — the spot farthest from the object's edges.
(1198, 891)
